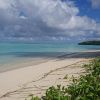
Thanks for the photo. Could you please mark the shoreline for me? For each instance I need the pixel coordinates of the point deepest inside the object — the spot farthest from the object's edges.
(21, 64)
(14, 83)
(25, 62)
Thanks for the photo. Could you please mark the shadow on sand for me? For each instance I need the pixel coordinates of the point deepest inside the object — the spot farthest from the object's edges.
(57, 55)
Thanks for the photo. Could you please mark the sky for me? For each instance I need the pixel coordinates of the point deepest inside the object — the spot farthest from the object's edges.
(49, 20)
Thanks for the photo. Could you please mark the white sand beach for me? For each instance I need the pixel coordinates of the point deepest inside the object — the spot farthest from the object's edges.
(18, 84)
(46, 44)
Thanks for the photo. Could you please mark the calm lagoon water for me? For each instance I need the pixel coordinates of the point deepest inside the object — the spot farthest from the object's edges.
(10, 52)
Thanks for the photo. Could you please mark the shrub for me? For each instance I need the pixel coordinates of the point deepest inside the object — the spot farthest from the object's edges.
(87, 87)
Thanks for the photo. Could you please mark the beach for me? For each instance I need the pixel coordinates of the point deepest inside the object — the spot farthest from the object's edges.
(49, 49)
(18, 84)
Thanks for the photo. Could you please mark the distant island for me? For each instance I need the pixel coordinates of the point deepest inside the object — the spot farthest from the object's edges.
(90, 43)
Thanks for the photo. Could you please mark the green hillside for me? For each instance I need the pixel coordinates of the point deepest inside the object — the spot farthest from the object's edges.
(89, 43)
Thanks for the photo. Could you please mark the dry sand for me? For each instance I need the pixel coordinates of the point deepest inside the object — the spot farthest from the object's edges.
(19, 83)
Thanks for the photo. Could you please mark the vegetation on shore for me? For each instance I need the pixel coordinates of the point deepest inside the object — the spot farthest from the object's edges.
(89, 43)
(87, 87)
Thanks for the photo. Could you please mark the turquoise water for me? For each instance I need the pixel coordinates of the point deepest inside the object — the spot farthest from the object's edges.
(10, 52)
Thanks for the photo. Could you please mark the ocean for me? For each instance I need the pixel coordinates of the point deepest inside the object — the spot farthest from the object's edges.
(17, 52)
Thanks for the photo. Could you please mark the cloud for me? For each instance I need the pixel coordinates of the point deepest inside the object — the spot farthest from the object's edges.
(96, 4)
(44, 19)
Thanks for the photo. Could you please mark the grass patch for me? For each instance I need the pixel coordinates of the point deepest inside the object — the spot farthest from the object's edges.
(66, 77)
